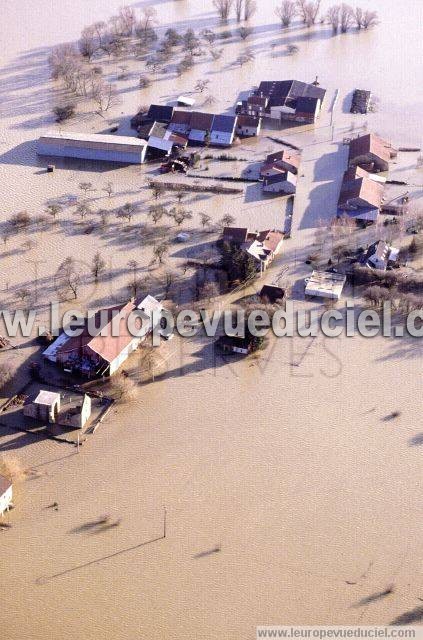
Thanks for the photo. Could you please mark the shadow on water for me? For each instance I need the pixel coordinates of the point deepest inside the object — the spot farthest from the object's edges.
(209, 552)
(414, 615)
(45, 579)
(374, 597)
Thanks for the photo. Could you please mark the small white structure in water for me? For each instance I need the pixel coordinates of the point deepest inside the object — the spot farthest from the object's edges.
(6, 494)
(184, 101)
(45, 407)
(110, 148)
(323, 284)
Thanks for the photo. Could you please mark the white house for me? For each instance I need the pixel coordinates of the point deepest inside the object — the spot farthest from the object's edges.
(248, 126)
(380, 254)
(6, 494)
(109, 148)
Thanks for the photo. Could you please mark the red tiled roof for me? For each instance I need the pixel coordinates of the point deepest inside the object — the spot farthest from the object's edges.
(370, 143)
(181, 117)
(248, 121)
(107, 346)
(201, 121)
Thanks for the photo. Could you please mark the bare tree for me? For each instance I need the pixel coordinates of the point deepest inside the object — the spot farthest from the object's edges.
(108, 188)
(244, 32)
(346, 17)
(250, 7)
(104, 95)
(128, 20)
(127, 212)
(201, 85)
(332, 17)
(238, 9)
(227, 220)
(370, 19)
(82, 210)
(160, 251)
(69, 276)
(180, 215)
(86, 186)
(88, 42)
(53, 209)
(286, 12)
(104, 215)
(245, 57)
(156, 212)
(157, 189)
(311, 12)
(205, 220)
(98, 266)
(223, 8)
(209, 36)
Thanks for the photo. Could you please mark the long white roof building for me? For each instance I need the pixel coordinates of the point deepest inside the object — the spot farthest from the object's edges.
(97, 146)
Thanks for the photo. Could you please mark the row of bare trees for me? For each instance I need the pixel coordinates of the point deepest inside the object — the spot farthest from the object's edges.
(244, 9)
(67, 65)
(307, 10)
(342, 17)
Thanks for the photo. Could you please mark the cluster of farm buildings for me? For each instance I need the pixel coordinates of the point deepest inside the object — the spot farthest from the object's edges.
(165, 131)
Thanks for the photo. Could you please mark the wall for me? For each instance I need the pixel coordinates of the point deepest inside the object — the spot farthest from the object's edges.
(6, 499)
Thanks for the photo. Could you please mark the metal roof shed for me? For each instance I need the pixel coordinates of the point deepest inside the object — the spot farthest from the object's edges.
(109, 148)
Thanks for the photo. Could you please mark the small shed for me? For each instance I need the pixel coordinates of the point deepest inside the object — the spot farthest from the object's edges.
(6, 494)
(45, 407)
(184, 101)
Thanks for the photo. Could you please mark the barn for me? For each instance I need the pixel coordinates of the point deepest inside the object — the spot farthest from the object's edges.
(108, 148)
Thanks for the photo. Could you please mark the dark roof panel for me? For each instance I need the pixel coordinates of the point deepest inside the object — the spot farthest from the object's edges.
(223, 123)
(159, 112)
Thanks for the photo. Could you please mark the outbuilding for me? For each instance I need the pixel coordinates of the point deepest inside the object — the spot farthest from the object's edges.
(325, 284)
(108, 148)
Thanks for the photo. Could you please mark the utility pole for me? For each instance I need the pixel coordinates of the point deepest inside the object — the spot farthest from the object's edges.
(164, 522)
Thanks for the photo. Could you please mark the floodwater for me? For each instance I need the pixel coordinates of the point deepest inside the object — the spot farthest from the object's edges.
(284, 463)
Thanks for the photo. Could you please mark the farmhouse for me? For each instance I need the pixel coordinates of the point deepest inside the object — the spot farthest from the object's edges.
(360, 196)
(204, 128)
(6, 494)
(104, 352)
(255, 106)
(292, 100)
(380, 255)
(109, 148)
(371, 153)
(323, 284)
(264, 247)
(248, 126)
(160, 113)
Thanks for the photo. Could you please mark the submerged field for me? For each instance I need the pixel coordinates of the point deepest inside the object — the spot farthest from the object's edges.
(286, 463)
